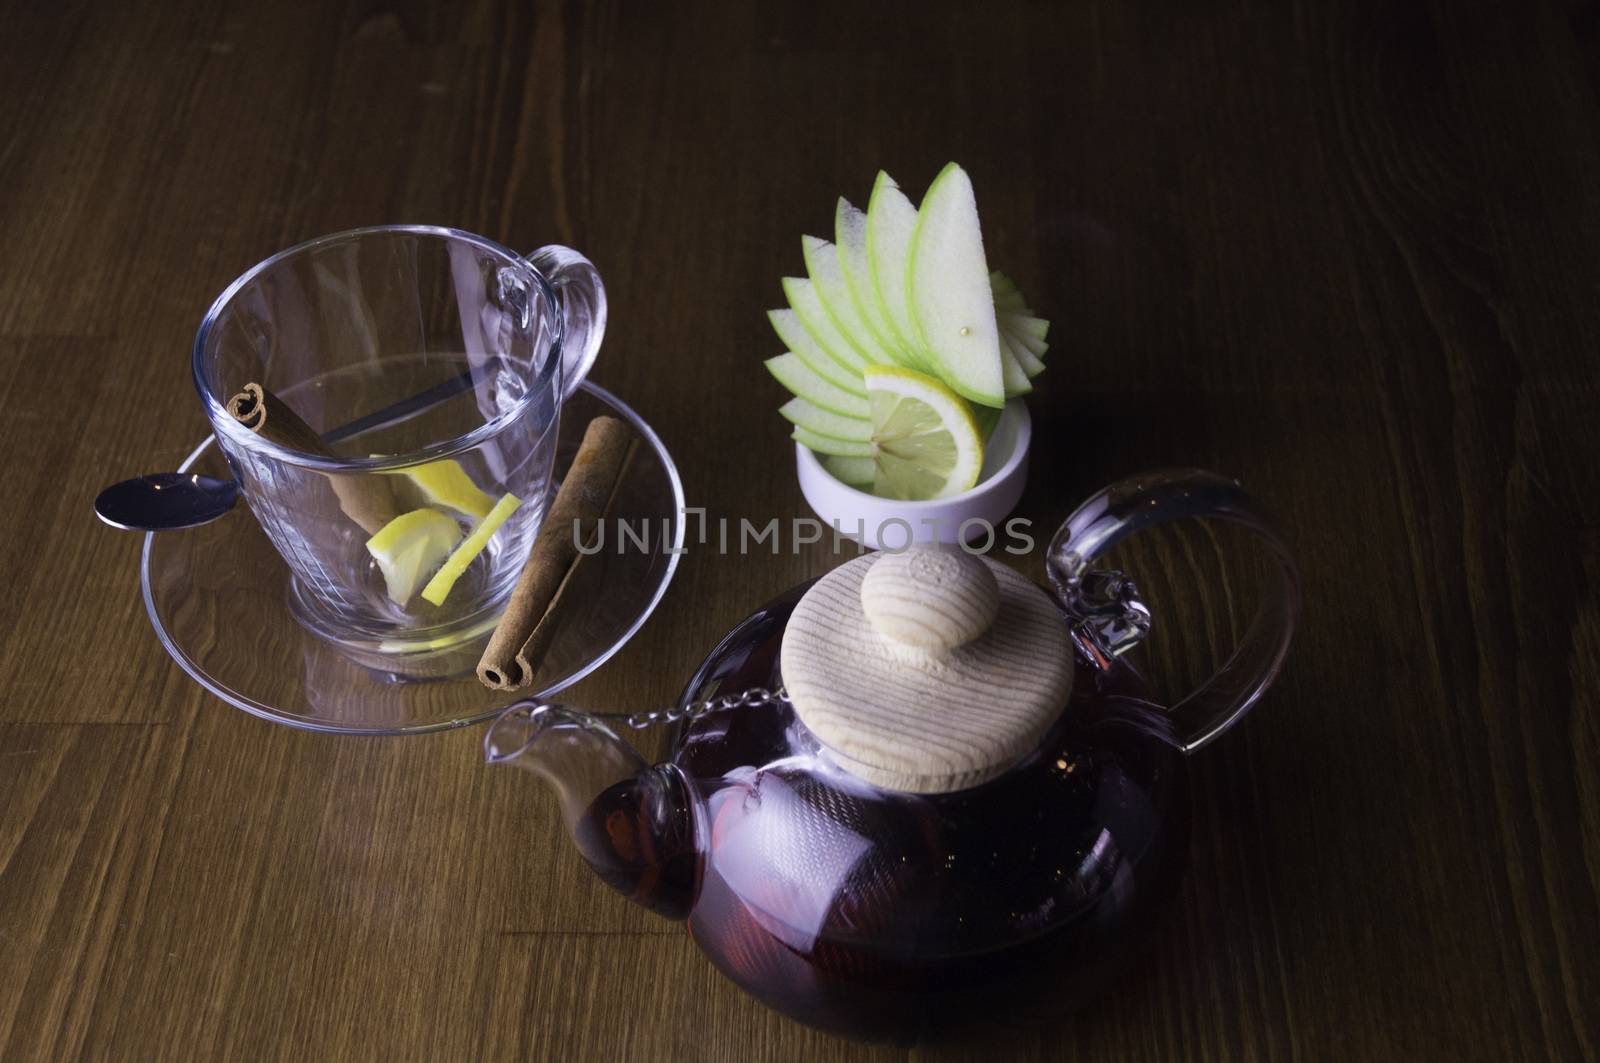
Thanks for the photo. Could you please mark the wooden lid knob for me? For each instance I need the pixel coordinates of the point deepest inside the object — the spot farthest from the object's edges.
(929, 598)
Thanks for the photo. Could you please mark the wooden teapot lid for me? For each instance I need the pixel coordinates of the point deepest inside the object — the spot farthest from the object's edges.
(928, 670)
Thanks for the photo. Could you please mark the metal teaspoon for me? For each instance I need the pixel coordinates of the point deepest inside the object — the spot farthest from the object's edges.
(169, 501)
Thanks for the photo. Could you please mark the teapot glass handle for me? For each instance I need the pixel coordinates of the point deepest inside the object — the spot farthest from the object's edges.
(1108, 619)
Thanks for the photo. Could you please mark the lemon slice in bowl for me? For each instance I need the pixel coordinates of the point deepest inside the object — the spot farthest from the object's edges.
(925, 442)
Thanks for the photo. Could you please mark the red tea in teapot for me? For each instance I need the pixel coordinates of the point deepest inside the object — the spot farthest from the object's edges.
(877, 913)
(967, 806)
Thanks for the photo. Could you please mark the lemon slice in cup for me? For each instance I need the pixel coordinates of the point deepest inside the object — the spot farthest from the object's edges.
(925, 441)
(410, 548)
(445, 483)
(439, 586)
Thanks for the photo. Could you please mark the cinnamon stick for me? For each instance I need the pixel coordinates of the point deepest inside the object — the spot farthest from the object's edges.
(572, 588)
(521, 639)
(366, 499)
(271, 418)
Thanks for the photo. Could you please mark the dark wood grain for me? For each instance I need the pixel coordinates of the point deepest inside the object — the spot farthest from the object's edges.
(1349, 253)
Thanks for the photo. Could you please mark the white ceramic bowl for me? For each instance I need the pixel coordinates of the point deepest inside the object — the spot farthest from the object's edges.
(888, 524)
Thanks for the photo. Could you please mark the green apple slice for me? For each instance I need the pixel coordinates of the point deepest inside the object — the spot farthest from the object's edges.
(948, 288)
(856, 472)
(1001, 284)
(891, 220)
(1027, 359)
(814, 418)
(850, 235)
(1009, 303)
(1012, 375)
(828, 445)
(827, 280)
(808, 350)
(410, 548)
(807, 306)
(438, 587)
(1037, 346)
(1034, 328)
(1016, 321)
(986, 418)
(1007, 296)
(800, 379)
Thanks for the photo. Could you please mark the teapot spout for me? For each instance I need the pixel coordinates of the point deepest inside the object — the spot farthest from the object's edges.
(634, 824)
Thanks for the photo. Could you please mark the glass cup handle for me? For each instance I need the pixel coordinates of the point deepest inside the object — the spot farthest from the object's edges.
(583, 309)
(1108, 618)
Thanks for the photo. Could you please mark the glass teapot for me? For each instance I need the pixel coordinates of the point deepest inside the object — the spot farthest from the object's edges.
(876, 830)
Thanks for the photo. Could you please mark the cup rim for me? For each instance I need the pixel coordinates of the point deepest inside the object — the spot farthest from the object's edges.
(216, 408)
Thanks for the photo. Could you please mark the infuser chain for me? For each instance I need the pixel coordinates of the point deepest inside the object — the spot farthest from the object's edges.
(746, 699)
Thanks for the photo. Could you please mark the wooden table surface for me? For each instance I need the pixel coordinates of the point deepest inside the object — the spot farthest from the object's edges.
(1349, 253)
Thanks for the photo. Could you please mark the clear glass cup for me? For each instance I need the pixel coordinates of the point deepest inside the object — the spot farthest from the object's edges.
(421, 356)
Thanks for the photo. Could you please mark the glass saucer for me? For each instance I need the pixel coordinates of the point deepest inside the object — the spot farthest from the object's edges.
(218, 596)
